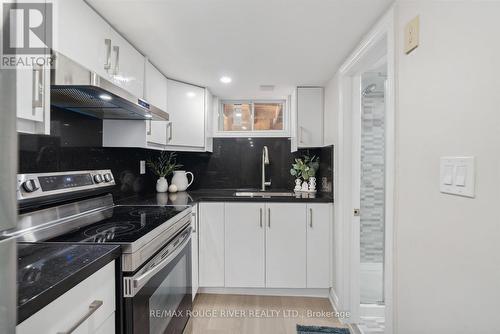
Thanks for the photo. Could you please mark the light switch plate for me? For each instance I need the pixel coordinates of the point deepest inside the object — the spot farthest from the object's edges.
(457, 176)
(412, 32)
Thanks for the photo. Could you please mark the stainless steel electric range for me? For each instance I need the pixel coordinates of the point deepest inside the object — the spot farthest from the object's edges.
(76, 207)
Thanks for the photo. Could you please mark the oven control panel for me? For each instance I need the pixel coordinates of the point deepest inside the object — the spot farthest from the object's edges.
(46, 184)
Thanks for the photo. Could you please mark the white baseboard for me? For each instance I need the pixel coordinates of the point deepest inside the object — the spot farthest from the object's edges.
(320, 293)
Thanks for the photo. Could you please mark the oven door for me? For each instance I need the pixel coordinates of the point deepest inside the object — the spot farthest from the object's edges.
(158, 297)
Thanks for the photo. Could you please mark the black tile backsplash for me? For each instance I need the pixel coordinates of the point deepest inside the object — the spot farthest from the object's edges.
(75, 143)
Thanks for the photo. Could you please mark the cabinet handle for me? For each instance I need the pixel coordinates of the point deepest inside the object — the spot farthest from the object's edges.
(94, 306)
(301, 140)
(149, 131)
(171, 126)
(38, 85)
(269, 218)
(310, 217)
(116, 49)
(107, 64)
(261, 217)
(195, 224)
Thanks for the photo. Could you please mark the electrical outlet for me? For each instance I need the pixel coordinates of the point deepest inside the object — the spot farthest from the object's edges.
(142, 167)
(412, 31)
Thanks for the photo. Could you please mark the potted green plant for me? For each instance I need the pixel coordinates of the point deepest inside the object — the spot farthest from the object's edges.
(304, 169)
(162, 167)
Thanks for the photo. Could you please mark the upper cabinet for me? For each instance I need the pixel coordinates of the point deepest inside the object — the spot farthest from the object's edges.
(310, 107)
(155, 92)
(83, 36)
(186, 106)
(32, 102)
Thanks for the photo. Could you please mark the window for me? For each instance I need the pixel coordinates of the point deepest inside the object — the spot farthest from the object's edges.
(252, 116)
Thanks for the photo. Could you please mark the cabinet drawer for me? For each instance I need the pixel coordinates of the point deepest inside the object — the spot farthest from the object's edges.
(67, 310)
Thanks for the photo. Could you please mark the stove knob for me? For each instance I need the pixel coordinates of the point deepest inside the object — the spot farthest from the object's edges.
(30, 186)
(98, 178)
(108, 177)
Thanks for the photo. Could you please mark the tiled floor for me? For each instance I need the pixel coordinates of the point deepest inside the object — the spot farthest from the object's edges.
(271, 315)
(372, 325)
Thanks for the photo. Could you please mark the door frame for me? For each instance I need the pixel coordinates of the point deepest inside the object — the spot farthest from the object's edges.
(379, 41)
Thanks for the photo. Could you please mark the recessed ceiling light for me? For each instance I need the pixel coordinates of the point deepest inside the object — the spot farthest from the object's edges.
(105, 97)
(190, 94)
(225, 80)
(149, 116)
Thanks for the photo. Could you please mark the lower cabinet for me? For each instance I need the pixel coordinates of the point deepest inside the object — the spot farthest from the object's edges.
(265, 245)
(245, 245)
(194, 251)
(286, 246)
(319, 250)
(96, 293)
(211, 243)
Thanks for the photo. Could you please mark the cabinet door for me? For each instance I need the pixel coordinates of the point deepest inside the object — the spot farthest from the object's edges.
(310, 116)
(286, 245)
(245, 245)
(194, 251)
(156, 132)
(127, 66)
(186, 106)
(82, 36)
(33, 100)
(74, 305)
(155, 87)
(319, 222)
(211, 243)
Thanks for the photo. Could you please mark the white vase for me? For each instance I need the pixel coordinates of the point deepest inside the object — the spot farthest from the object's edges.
(161, 185)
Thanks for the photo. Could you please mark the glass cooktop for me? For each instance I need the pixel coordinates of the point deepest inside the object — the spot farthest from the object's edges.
(125, 224)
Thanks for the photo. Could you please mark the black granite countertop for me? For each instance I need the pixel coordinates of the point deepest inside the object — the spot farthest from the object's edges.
(219, 195)
(48, 270)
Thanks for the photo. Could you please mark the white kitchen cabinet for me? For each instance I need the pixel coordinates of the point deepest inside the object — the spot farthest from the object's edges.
(310, 105)
(211, 244)
(155, 92)
(83, 36)
(155, 86)
(186, 106)
(127, 65)
(286, 245)
(33, 100)
(74, 305)
(194, 250)
(245, 245)
(86, 38)
(319, 222)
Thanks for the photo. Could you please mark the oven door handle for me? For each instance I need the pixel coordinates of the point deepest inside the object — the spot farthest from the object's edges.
(133, 284)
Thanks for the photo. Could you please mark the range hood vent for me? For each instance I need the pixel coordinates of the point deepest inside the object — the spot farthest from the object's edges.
(77, 89)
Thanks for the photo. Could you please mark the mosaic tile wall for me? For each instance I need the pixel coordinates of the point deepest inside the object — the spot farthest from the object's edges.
(372, 180)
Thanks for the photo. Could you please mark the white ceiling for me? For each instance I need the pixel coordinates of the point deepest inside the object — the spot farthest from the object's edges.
(256, 42)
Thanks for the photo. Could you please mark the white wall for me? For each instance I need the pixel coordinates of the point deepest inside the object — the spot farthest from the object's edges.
(447, 247)
(331, 111)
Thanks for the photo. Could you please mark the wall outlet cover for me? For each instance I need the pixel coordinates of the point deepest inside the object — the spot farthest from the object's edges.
(412, 31)
(142, 167)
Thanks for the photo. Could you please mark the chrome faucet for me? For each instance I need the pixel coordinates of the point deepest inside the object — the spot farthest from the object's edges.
(265, 161)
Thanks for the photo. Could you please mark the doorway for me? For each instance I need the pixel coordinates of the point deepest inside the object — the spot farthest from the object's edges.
(365, 181)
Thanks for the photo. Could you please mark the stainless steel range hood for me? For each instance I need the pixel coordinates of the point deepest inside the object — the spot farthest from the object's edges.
(78, 89)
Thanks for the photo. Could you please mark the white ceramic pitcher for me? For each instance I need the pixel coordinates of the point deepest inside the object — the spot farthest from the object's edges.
(181, 181)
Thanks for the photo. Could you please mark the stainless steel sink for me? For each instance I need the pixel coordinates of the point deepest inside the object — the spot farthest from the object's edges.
(263, 194)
